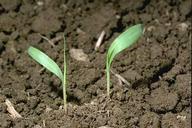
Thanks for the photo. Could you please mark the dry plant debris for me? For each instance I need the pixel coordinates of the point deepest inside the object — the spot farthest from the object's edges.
(120, 78)
(100, 40)
(13, 113)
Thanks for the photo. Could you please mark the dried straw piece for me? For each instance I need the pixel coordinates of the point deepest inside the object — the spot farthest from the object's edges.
(11, 110)
(100, 40)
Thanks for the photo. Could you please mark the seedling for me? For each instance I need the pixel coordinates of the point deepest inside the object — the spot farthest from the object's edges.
(123, 41)
(49, 64)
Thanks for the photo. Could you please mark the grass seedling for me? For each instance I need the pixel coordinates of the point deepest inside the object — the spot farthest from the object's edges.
(49, 64)
(123, 41)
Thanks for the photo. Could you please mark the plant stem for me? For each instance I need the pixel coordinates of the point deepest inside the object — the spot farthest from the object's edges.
(64, 77)
(64, 97)
(108, 81)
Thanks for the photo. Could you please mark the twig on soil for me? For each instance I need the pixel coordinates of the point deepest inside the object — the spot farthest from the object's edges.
(104, 127)
(41, 70)
(48, 40)
(100, 40)
(121, 78)
(56, 39)
(52, 41)
(11, 110)
(108, 113)
(120, 82)
(44, 124)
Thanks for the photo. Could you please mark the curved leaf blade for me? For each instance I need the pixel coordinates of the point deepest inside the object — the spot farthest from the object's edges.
(45, 61)
(123, 41)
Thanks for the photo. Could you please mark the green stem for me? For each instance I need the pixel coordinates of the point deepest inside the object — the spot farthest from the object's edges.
(108, 81)
(64, 97)
(64, 78)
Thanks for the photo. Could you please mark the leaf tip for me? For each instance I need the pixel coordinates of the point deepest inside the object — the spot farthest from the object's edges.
(142, 28)
(29, 49)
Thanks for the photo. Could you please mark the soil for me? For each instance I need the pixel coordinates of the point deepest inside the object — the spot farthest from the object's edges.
(158, 66)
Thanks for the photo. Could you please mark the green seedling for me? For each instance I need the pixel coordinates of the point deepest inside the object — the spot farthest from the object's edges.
(123, 41)
(49, 64)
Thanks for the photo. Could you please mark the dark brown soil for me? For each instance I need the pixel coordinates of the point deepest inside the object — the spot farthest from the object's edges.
(158, 66)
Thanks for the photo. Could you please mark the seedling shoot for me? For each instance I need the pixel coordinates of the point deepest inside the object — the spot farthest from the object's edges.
(123, 41)
(50, 65)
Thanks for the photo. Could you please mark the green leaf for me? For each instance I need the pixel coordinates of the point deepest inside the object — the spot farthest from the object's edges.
(123, 41)
(44, 60)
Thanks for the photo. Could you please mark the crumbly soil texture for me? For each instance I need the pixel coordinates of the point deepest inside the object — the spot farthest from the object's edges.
(158, 66)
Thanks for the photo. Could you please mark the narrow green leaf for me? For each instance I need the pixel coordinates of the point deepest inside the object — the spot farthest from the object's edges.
(44, 60)
(123, 41)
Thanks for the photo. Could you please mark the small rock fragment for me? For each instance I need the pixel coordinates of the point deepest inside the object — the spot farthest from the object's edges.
(78, 54)
(182, 27)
